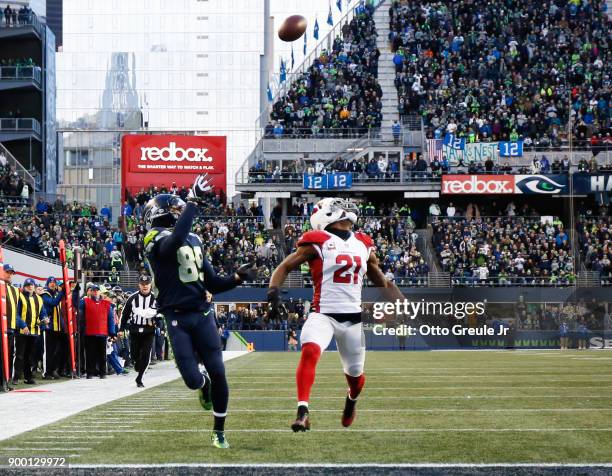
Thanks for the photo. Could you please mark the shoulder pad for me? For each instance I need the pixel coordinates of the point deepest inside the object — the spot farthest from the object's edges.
(313, 237)
(154, 235)
(365, 239)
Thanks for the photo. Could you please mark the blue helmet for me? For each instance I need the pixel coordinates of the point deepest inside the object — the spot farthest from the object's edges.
(163, 210)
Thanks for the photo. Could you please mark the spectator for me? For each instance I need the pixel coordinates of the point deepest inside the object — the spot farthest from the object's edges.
(97, 323)
(454, 73)
(33, 313)
(396, 129)
(339, 94)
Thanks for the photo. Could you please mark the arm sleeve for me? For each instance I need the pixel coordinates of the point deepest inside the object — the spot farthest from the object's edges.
(111, 322)
(216, 284)
(126, 312)
(81, 316)
(171, 243)
(53, 301)
(20, 322)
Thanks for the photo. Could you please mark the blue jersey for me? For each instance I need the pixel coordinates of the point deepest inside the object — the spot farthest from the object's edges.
(181, 274)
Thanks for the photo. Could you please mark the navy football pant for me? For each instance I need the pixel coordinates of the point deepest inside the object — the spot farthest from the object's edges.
(194, 338)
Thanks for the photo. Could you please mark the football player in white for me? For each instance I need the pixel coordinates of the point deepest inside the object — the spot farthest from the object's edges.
(338, 258)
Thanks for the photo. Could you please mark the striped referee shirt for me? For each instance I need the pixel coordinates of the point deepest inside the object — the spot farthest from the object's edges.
(137, 313)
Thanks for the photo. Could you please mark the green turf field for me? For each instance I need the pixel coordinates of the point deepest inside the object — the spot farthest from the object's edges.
(451, 407)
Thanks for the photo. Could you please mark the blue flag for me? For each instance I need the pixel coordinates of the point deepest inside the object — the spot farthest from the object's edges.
(270, 97)
(305, 42)
(283, 71)
(316, 30)
(450, 140)
(339, 5)
(292, 58)
(330, 18)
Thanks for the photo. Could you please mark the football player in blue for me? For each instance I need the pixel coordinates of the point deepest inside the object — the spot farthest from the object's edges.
(181, 277)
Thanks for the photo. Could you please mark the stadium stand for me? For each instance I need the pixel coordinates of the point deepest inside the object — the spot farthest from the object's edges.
(339, 94)
(232, 236)
(504, 250)
(504, 70)
(595, 239)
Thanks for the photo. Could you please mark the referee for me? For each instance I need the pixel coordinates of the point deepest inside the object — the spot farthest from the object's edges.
(139, 318)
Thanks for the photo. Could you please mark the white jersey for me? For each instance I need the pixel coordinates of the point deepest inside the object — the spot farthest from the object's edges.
(337, 272)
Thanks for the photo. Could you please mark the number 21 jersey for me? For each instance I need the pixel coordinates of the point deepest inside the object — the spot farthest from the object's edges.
(337, 271)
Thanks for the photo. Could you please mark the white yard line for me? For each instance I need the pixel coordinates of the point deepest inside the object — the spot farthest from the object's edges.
(45, 448)
(68, 398)
(433, 397)
(360, 430)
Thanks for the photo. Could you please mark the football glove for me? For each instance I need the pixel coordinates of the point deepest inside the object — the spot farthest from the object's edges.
(200, 187)
(274, 301)
(247, 272)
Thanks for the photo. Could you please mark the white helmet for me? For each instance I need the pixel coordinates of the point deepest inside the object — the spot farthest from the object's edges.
(331, 210)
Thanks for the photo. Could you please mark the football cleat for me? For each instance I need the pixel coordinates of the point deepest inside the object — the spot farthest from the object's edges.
(348, 415)
(204, 395)
(218, 440)
(301, 423)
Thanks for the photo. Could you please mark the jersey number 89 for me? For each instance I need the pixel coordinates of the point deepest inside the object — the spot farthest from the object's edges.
(190, 260)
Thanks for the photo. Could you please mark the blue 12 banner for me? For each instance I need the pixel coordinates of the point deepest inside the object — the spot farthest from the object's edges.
(511, 149)
(328, 181)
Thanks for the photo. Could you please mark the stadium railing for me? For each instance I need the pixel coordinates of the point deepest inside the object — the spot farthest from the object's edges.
(20, 124)
(21, 72)
(11, 161)
(324, 133)
(32, 255)
(127, 279)
(29, 20)
(518, 218)
(526, 281)
(412, 281)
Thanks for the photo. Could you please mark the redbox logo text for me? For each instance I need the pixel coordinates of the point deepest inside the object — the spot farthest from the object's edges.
(483, 184)
(172, 153)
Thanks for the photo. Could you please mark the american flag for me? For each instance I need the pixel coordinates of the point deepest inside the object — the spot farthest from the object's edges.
(434, 149)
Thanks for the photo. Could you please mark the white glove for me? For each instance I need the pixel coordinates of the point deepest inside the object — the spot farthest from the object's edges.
(200, 187)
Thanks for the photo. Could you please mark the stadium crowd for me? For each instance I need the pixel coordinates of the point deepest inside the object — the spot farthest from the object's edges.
(339, 93)
(595, 240)
(38, 229)
(518, 248)
(504, 70)
(256, 317)
(231, 235)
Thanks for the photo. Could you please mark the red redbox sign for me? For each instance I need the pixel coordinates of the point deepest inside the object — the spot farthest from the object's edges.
(162, 160)
(478, 184)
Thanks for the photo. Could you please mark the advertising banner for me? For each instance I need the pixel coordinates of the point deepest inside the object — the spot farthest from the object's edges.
(161, 160)
(504, 184)
(585, 184)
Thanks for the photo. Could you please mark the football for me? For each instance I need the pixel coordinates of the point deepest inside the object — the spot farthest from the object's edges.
(292, 28)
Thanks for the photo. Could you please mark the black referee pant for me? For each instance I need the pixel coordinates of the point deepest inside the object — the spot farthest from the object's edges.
(141, 344)
(24, 355)
(95, 355)
(53, 343)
